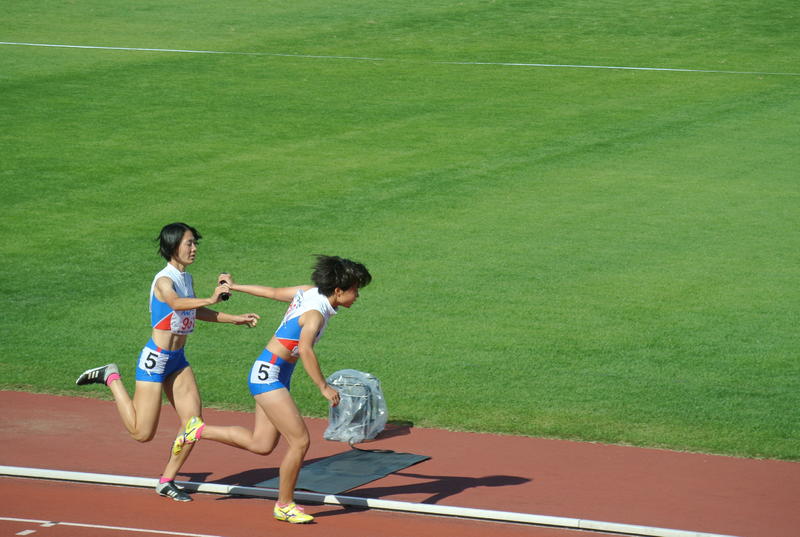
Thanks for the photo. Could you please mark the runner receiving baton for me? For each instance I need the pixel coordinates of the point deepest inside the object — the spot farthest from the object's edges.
(337, 283)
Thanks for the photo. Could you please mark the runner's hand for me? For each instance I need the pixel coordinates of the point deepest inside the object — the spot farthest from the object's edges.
(225, 277)
(331, 395)
(219, 291)
(250, 319)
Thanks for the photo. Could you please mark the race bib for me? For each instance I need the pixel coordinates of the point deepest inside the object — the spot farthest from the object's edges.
(182, 322)
(264, 372)
(153, 361)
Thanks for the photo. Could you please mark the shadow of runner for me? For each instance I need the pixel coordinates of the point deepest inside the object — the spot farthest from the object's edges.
(440, 487)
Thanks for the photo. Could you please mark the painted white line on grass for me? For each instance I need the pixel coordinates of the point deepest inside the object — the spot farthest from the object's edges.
(368, 503)
(136, 49)
(366, 58)
(677, 70)
(49, 524)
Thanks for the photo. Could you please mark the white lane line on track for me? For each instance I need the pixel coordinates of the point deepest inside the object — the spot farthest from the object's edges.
(369, 503)
(49, 524)
(366, 58)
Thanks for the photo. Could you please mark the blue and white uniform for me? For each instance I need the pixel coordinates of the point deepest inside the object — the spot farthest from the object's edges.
(162, 316)
(270, 372)
(156, 364)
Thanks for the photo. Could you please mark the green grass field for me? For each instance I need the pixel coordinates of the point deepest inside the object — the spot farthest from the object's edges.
(596, 254)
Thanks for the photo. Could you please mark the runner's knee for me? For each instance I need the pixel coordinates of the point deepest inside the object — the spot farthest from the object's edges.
(261, 449)
(299, 443)
(143, 436)
(263, 446)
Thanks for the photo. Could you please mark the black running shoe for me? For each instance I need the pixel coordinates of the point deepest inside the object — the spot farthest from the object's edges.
(98, 375)
(169, 490)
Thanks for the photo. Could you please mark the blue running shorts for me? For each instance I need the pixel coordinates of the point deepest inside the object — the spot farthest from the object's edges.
(156, 365)
(270, 372)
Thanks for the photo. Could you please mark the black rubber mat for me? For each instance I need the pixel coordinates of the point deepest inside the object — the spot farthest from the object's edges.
(348, 470)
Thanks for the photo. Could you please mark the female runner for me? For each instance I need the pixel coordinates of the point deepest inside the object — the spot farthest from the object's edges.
(337, 283)
(162, 364)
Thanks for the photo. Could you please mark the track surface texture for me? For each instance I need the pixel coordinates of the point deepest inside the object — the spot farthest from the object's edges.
(578, 480)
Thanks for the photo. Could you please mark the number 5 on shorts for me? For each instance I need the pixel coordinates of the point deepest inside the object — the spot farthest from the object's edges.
(152, 361)
(264, 372)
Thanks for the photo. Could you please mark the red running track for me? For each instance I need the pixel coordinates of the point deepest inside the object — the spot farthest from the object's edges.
(647, 487)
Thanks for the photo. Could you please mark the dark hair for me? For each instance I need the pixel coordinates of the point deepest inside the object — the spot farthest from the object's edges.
(331, 271)
(170, 238)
